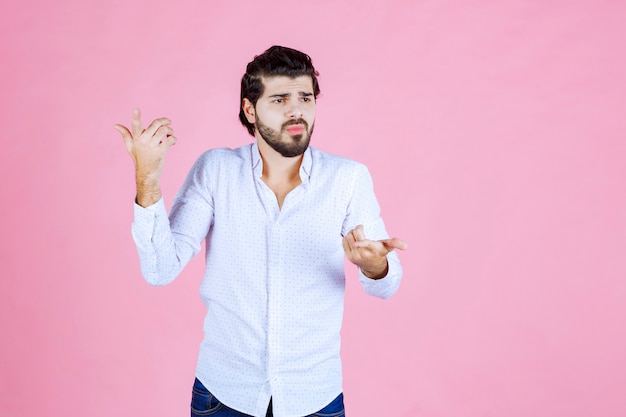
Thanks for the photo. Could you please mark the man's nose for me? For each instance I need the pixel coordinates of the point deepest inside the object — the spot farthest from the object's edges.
(295, 111)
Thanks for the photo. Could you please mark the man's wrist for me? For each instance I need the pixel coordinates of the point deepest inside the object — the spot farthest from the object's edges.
(148, 190)
(147, 200)
(376, 272)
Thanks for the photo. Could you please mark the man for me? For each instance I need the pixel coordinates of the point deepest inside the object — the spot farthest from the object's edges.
(277, 217)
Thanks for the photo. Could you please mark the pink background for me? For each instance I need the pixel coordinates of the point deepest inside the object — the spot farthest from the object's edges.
(494, 131)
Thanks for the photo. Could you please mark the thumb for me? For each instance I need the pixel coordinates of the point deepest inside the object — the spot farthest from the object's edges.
(395, 243)
(123, 131)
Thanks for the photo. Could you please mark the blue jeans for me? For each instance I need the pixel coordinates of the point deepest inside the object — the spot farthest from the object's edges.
(203, 403)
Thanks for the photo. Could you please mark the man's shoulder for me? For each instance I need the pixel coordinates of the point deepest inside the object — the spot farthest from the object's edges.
(219, 156)
(328, 160)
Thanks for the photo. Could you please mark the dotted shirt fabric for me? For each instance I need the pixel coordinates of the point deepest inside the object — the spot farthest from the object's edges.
(274, 279)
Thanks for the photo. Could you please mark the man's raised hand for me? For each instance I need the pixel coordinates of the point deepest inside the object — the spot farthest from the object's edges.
(147, 148)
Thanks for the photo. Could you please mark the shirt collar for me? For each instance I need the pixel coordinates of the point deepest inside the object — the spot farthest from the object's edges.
(257, 162)
(305, 167)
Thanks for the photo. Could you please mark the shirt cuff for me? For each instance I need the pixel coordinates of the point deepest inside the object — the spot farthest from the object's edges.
(147, 220)
(150, 211)
(383, 287)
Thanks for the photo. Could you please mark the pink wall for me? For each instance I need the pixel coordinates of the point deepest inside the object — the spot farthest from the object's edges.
(495, 134)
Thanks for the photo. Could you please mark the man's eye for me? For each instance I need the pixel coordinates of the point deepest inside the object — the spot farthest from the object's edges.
(306, 99)
(278, 100)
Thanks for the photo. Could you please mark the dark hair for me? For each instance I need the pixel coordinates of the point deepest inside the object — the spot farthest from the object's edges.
(277, 60)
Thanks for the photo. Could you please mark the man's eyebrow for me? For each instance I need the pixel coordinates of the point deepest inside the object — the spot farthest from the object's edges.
(301, 94)
(280, 95)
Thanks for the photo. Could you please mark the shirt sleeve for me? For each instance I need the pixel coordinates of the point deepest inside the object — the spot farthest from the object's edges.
(364, 209)
(165, 244)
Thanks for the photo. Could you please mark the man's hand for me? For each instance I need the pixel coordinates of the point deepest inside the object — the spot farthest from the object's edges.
(370, 255)
(147, 148)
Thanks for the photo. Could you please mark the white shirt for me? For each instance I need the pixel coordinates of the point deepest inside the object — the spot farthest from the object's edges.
(274, 281)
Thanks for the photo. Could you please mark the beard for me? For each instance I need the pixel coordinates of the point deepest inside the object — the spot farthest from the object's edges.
(294, 145)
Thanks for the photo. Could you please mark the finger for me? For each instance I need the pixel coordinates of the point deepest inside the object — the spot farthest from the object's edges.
(123, 131)
(162, 133)
(347, 242)
(350, 238)
(155, 125)
(169, 141)
(373, 245)
(126, 135)
(346, 246)
(358, 233)
(395, 243)
(137, 129)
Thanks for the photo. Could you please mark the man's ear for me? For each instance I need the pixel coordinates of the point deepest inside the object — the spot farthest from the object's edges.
(248, 110)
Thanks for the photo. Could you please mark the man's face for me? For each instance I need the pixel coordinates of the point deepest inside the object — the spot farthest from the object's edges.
(285, 114)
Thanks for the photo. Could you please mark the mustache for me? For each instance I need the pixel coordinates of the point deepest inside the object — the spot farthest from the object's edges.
(295, 122)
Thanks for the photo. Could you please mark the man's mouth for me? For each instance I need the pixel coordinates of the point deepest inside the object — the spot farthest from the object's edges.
(295, 129)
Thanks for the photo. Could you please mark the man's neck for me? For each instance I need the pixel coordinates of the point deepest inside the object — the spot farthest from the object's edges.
(277, 168)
